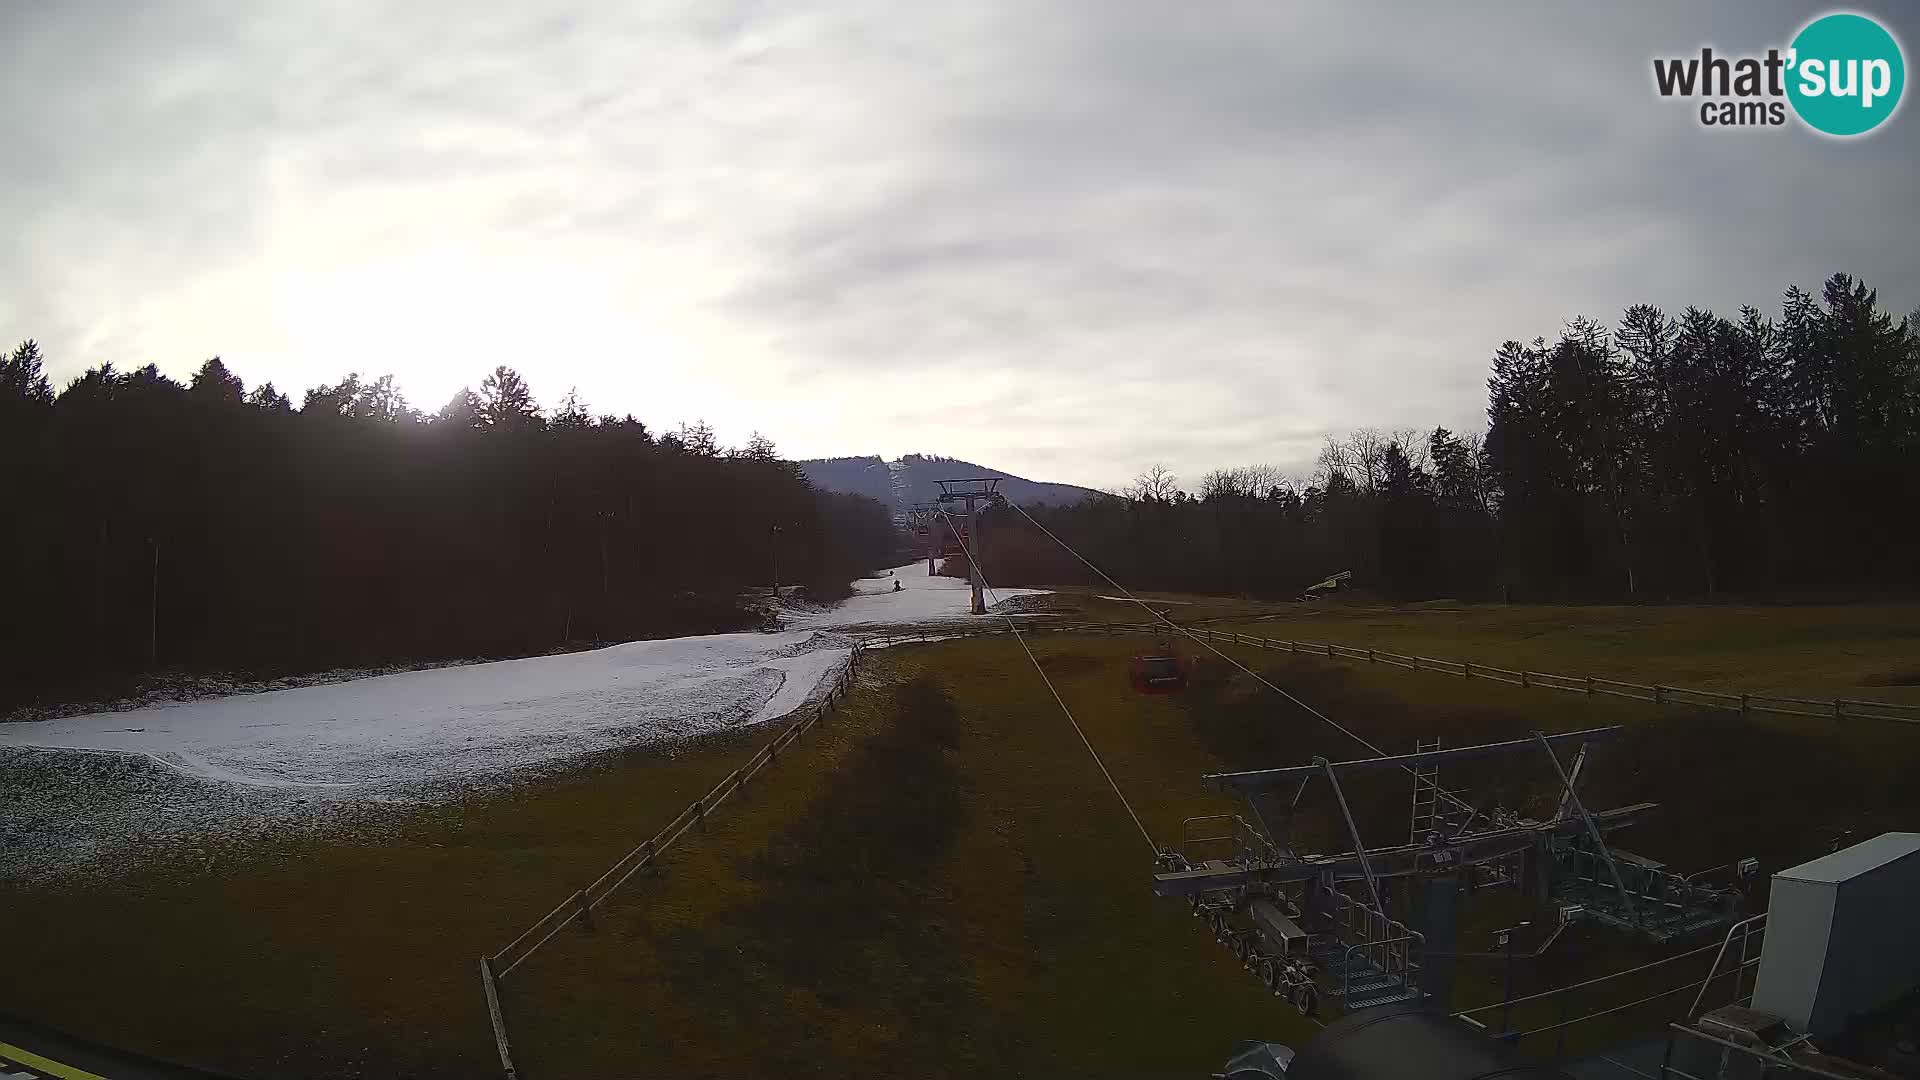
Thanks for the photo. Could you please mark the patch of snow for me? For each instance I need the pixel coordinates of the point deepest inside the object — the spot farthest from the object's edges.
(922, 598)
(420, 726)
(83, 792)
(169, 687)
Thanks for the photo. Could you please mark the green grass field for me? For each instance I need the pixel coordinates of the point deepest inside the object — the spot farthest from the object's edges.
(938, 879)
(1865, 651)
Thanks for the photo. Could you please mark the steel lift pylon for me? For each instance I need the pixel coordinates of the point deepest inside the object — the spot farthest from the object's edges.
(1320, 926)
(979, 491)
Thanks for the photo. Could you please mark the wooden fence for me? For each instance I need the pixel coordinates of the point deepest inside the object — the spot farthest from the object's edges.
(580, 905)
(1836, 708)
(1590, 685)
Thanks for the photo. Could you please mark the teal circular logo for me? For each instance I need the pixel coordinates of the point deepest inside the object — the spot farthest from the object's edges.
(1845, 74)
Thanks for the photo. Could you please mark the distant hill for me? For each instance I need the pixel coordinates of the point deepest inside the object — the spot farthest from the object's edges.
(912, 479)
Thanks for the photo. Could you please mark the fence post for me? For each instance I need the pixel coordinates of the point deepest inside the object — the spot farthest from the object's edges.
(586, 911)
(1523, 679)
(1743, 704)
(700, 812)
(1839, 709)
(1329, 650)
(1589, 686)
(489, 983)
(1370, 657)
(1659, 694)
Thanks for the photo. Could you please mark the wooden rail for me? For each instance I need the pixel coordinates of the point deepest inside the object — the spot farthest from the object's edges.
(579, 906)
(1590, 685)
(1659, 694)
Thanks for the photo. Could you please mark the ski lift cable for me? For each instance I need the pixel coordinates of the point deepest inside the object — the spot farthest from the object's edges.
(1013, 625)
(1316, 713)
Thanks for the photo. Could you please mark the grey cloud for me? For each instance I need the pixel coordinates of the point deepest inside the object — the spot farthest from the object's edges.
(1357, 190)
(1116, 231)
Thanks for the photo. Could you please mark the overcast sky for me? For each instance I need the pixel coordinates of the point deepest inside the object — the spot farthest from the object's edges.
(1065, 239)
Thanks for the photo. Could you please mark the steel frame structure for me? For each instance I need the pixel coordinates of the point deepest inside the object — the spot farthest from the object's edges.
(975, 491)
(1321, 925)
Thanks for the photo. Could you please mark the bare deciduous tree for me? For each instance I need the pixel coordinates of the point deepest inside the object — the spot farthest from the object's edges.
(1157, 484)
(1243, 482)
(1413, 443)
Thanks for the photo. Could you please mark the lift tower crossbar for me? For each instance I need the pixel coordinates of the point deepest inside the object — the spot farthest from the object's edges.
(920, 524)
(974, 492)
(1261, 779)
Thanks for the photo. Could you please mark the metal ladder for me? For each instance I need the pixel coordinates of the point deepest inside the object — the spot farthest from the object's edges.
(1426, 795)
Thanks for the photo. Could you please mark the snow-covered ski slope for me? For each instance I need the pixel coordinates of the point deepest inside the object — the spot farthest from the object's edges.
(421, 726)
(921, 599)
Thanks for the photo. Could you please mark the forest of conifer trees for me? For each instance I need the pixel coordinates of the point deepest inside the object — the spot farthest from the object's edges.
(1693, 457)
(202, 525)
(152, 524)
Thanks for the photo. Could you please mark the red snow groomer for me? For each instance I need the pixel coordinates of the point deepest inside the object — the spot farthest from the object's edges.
(1159, 672)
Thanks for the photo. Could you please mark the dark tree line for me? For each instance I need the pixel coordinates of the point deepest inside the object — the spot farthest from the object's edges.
(1407, 511)
(1700, 455)
(1668, 457)
(203, 525)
